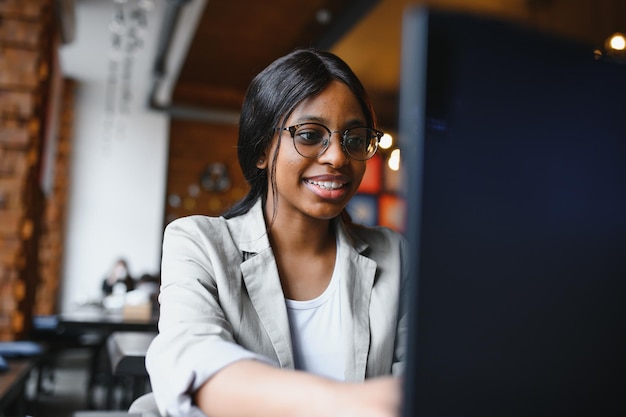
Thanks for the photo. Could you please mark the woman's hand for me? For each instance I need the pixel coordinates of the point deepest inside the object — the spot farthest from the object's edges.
(250, 388)
(377, 397)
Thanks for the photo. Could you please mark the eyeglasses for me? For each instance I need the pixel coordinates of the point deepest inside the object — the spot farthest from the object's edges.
(312, 139)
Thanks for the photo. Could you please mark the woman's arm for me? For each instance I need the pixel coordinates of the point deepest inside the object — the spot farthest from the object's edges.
(251, 388)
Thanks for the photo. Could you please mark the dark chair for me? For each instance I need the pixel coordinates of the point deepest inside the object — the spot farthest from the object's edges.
(55, 340)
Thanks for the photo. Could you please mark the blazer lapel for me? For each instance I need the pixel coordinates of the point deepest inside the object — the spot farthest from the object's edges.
(357, 274)
(260, 275)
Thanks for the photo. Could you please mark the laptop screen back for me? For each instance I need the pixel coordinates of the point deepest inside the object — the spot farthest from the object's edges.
(514, 145)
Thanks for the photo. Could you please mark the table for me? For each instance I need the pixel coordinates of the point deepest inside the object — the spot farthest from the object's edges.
(13, 382)
(95, 317)
(102, 322)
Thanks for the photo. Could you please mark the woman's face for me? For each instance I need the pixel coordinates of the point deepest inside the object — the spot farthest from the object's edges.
(318, 187)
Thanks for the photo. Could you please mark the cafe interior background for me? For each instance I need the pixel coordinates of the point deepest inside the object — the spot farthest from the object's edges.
(117, 116)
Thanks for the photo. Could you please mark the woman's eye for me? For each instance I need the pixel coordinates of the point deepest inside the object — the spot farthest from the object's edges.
(310, 136)
(354, 142)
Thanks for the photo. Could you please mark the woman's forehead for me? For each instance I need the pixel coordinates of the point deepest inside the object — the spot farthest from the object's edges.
(336, 101)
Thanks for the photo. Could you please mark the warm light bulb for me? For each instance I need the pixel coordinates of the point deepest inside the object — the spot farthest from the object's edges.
(394, 160)
(617, 42)
(386, 141)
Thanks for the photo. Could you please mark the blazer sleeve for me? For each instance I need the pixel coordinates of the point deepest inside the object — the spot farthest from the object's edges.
(195, 340)
(400, 352)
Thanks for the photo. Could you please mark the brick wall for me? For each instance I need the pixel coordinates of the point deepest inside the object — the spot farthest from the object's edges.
(203, 172)
(28, 41)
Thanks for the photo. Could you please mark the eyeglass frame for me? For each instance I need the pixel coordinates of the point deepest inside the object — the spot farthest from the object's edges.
(292, 131)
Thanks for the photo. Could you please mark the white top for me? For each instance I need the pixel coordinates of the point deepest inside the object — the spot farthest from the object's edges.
(316, 333)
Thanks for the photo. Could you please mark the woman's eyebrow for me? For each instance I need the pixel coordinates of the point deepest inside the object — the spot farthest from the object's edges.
(316, 119)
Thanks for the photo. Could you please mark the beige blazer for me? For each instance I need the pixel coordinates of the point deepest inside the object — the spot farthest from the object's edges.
(221, 301)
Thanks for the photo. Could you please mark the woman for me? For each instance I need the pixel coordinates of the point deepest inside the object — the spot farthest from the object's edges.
(118, 275)
(282, 306)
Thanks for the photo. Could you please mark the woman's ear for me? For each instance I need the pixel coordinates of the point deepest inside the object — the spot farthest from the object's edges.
(261, 163)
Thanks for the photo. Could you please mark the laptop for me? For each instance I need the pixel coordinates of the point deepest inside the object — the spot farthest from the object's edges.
(514, 147)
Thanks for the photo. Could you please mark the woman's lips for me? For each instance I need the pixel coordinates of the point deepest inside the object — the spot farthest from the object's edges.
(328, 187)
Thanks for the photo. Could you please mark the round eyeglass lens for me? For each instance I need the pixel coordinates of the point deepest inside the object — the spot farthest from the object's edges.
(310, 140)
(360, 142)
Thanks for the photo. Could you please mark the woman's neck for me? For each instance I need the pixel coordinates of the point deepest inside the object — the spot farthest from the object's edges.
(305, 251)
(301, 234)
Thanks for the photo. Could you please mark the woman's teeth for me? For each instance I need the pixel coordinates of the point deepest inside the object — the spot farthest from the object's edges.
(329, 185)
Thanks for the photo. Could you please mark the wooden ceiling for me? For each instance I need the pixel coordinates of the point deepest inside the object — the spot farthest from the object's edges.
(235, 39)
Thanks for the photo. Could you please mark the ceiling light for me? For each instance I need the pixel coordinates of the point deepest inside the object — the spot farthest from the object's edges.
(617, 42)
(386, 141)
(323, 16)
(394, 160)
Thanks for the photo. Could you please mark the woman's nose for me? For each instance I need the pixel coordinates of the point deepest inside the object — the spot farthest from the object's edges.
(334, 154)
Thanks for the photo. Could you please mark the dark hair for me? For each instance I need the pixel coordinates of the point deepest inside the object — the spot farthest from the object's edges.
(271, 98)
